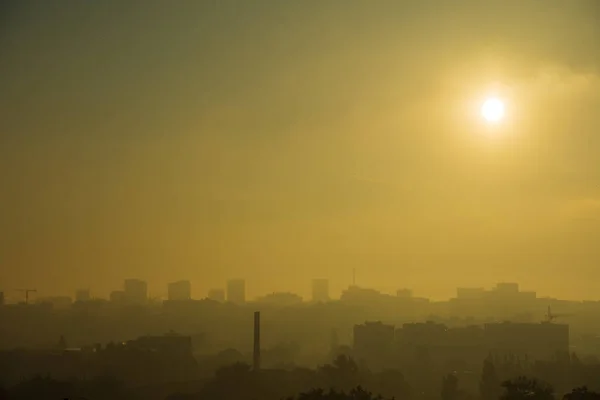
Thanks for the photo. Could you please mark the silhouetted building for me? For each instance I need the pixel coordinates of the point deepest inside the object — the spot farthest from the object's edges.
(117, 296)
(544, 341)
(180, 290)
(136, 291)
(374, 344)
(436, 343)
(422, 334)
(57, 302)
(280, 299)
(1, 298)
(167, 344)
(236, 291)
(365, 296)
(217, 295)
(470, 293)
(505, 301)
(320, 290)
(507, 288)
(82, 295)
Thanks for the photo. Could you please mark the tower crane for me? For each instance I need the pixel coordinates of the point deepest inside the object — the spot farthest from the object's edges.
(550, 317)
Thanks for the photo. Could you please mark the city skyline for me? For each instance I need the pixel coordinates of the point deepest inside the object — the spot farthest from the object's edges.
(318, 290)
(277, 199)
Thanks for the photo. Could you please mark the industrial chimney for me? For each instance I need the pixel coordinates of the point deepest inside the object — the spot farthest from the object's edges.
(257, 340)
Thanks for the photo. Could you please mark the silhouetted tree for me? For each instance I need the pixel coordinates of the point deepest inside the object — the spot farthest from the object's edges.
(178, 396)
(489, 386)
(524, 388)
(42, 388)
(355, 394)
(228, 357)
(450, 387)
(106, 388)
(391, 383)
(345, 364)
(62, 343)
(236, 381)
(582, 393)
(342, 374)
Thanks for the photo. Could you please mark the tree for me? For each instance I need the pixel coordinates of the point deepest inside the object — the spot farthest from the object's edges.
(106, 387)
(524, 388)
(343, 374)
(450, 387)
(236, 381)
(345, 364)
(582, 393)
(489, 387)
(62, 343)
(42, 388)
(357, 393)
(233, 372)
(391, 383)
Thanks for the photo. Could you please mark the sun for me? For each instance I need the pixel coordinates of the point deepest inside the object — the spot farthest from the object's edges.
(492, 110)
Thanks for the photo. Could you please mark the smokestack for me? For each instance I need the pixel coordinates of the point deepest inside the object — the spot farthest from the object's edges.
(257, 340)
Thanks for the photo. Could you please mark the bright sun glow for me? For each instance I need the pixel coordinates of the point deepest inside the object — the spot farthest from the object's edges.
(492, 110)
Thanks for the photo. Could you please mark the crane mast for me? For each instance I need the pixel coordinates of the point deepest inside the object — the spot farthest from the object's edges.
(26, 292)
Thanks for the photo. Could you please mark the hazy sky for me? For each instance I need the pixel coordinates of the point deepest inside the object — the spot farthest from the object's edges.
(281, 141)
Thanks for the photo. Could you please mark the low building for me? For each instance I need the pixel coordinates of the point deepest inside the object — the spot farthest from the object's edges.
(57, 302)
(217, 295)
(82, 295)
(180, 290)
(168, 344)
(117, 297)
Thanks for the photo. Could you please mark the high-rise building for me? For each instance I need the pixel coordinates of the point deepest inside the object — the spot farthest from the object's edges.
(217, 295)
(544, 342)
(82, 295)
(136, 291)
(180, 290)
(236, 291)
(320, 290)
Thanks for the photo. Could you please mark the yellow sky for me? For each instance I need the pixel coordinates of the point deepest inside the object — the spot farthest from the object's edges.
(282, 142)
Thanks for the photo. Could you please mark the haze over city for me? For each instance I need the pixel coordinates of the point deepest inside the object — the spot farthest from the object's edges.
(282, 141)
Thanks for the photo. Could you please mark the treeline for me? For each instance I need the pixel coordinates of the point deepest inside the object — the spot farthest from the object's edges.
(46, 388)
(343, 379)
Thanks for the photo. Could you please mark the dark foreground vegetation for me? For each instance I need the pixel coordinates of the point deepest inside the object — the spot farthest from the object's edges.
(343, 379)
